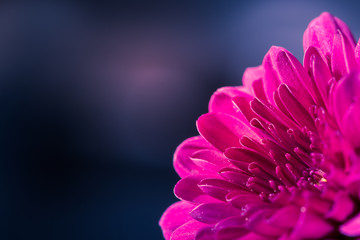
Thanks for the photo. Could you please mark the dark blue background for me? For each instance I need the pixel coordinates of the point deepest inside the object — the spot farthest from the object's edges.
(95, 97)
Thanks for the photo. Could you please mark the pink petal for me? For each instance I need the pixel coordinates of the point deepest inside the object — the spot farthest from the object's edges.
(187, 231)
(352, 227)
(254, 236)
(217, 188)
(286, 217)
(242, 198)
(294, 107)
(268, 113)
(258, 223)
(175, 216)
(214, 212)
(346, 101)
(244, 157)
(231, 228)
(357, 53)
(342, 207)
(351, 124)
(205, 233)
(343, 56)
(187, 189)
(235, 176)
(237, 221)
(311, 225)
(253, 82)
(222, 130)
(315, 64)
(221, 100)
(183, 165)
(282, 67)
(210, 160)
(320, 33)
(243, 104)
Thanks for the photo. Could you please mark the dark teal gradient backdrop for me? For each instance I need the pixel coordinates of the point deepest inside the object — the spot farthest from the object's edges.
(95, 96)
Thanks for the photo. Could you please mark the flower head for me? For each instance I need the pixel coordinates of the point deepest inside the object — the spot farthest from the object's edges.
(277, 158)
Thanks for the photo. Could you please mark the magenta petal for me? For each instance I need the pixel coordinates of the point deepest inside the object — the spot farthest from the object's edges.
(187, 231)
(282, 67)
(297, 111)
(320, 33)
(351, 124)
(222, 130)
(235, 176)
(210, 160)
(205, 233)
(217, 188)
(311, 226)
(237, 221)
(342, 57)
(346, 100)
(214, 212)
(254, 236)
(221, 100)
(317, 67)
(183, 165)
(259, 223)
(352, 227)
(187, 189)
(342, 207)
(241, 199)
(286, 217)
(175, 216)
(243, 104)
(357, 53)
(271, 79)
(253, 82)
(251, 74)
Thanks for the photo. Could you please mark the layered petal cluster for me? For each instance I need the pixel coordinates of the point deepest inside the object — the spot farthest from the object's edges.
(279, 157)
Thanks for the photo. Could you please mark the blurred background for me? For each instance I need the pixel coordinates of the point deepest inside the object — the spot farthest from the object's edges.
(95, 96)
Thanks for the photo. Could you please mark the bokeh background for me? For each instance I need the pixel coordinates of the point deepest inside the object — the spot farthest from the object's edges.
(96, 95)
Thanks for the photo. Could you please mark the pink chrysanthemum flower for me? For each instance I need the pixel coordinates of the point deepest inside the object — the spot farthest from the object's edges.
(278, 158)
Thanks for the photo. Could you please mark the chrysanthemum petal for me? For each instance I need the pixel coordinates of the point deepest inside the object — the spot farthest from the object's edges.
(311, 226)
(222, 130)
(282, 67)
(320, 33)
(343, 206)
(342, 57)
(187, 189)
(294, 107)
(285, 217)
(346, 100)
(210, 160)
(217, 188)
(351, 124)
(259, 224)
(235, 176)
(231, 228)
(221, 100)
(205, 233)
(352, 227)
(357, 53)
(254, 236)
(242, 102)
(213, 212)
(187, 231)
(253, 82)
(316, 65)
(183, 165)
(175, 216)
